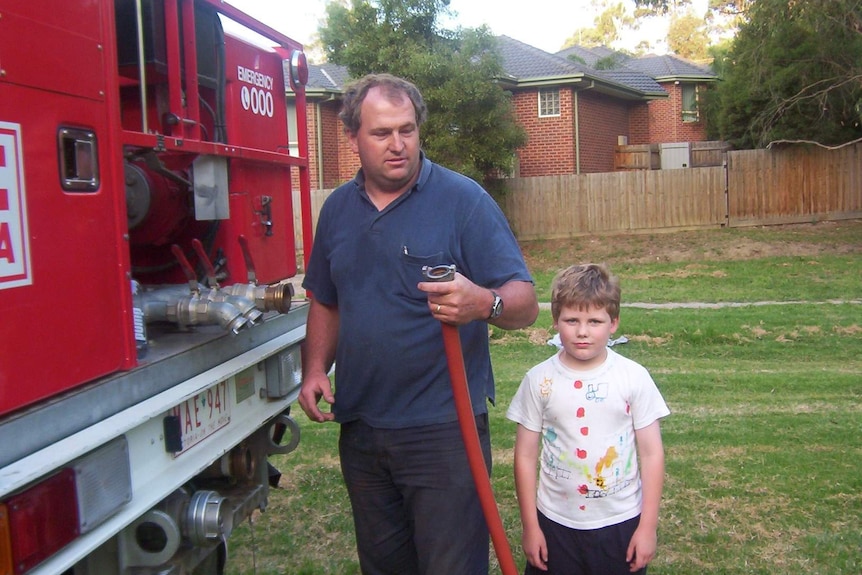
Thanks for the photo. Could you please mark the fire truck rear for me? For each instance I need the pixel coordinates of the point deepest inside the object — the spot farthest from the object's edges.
(149, 337)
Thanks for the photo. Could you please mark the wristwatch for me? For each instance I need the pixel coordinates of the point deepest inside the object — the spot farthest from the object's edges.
(497, 306)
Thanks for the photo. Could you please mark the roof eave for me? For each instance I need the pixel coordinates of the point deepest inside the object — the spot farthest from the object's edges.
(685, 78)
(317, 93)
(584, 82)
(549, 81)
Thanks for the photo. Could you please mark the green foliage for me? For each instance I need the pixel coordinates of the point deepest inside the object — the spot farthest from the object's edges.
(795, 74)
(471, 126)
(654, 7)
(606, 29)
(687, 37)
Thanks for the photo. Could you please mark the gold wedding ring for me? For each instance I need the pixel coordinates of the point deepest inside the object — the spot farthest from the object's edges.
(438, 308)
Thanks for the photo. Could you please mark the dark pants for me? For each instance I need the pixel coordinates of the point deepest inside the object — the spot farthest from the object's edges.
(415, 505)
(586, 552)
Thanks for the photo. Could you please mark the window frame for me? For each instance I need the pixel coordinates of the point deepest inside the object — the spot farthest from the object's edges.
(689, 116)
(549, 109)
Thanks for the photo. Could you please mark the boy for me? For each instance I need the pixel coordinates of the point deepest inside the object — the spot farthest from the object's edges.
(596, 413)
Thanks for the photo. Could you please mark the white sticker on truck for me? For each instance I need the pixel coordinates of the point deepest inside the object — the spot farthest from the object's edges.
(15, 268)
(257, 98)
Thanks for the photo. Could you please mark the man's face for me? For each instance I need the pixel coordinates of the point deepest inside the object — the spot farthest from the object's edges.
(387, 143)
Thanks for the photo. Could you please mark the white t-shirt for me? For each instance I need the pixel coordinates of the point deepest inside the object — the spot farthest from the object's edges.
(589, 476)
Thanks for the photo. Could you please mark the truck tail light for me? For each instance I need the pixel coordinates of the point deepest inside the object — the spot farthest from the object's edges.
(5, 545)
(298, 68)
(41, 520)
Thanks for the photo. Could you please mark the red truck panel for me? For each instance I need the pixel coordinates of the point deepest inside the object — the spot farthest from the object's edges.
(259, 192)
(63, 321)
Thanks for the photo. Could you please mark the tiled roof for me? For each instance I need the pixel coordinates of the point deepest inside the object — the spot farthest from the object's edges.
(633, 79)
(657, 67)
(669, 66)
(322, 78)
(328, 76)
(524, 63)
(589, 55)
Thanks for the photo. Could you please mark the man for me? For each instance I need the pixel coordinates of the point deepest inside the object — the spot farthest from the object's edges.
(415, 506)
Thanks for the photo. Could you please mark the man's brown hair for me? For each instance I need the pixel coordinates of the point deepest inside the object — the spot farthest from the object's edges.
(394, 88)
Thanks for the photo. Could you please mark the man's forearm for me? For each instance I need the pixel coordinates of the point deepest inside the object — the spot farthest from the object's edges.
(520, 306)
(321, 338)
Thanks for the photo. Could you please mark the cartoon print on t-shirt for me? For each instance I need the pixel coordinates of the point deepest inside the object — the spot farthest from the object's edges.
(552, 462)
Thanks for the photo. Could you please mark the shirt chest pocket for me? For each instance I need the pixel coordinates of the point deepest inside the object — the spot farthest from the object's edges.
(410, 272)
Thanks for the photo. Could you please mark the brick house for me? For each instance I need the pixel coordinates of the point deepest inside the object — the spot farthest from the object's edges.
(331, 161)
(674, 119)
(574, 114)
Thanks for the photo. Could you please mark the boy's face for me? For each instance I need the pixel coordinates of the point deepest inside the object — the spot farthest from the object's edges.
(584, 334)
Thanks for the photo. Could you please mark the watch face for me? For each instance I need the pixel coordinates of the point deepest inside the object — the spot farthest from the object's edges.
(497, 308)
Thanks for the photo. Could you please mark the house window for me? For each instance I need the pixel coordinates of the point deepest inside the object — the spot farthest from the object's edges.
(690, 113)
(293, 140)
(549, 103)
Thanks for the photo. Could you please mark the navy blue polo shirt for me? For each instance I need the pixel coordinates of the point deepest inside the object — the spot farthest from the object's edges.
(391, 368)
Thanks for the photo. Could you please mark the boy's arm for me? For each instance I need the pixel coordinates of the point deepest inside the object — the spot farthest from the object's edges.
(526, 460)
(651, 454)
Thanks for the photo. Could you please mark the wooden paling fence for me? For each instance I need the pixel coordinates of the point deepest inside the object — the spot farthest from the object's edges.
(755, 187)
(562, 206)
(648, 156)
(794, 185)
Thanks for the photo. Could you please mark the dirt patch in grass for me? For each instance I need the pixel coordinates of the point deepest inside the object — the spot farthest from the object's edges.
(849, 330)
(651, 340)
(803, 240)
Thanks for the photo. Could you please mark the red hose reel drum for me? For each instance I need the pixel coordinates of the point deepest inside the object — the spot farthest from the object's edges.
(158, 207)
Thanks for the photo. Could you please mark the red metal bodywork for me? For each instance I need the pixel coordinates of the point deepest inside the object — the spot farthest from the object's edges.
(66, 314)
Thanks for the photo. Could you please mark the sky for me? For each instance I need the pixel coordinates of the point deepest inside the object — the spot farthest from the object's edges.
(545, 24)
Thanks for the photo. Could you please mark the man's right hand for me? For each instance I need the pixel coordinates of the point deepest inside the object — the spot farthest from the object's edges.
(315, 387)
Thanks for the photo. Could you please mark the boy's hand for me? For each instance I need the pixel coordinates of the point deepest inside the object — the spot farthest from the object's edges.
(535, 548)
(641, 549)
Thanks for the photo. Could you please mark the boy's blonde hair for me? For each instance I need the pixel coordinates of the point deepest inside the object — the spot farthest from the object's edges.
(584, 286)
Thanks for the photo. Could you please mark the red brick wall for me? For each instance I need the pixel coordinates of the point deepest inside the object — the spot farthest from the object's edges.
(665, 119)
(639, 123)
(337, 162)
(550, 146)
(348, 160)
(311, 124)
(602, 119)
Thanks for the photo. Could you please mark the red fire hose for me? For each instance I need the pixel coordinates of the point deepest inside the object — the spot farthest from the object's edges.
(467, 422)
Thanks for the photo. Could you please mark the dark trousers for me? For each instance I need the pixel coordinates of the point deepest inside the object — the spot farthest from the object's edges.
(415, 505)
(586, 552)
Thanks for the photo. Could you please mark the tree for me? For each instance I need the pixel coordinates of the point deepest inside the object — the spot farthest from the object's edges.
(606, 29)
(659, 7)
(794, 72)
(687, 37)
(471, 126)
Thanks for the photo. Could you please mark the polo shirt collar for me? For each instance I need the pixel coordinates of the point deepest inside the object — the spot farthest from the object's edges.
(424, 175)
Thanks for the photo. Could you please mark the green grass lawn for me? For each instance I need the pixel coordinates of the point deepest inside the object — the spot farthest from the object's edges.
(764, 443)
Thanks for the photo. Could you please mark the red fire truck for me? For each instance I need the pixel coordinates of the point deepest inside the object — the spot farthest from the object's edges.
(149, 337)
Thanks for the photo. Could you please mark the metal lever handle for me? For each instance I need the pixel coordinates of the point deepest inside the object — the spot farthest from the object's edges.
(187, 268)
(205, 261)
